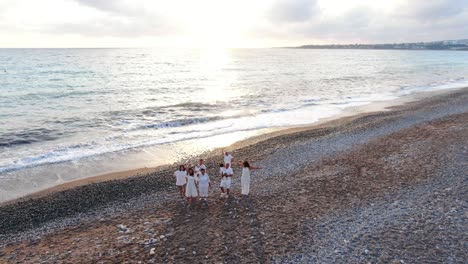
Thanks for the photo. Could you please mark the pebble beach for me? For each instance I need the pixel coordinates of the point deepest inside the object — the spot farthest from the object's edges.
(381, 187)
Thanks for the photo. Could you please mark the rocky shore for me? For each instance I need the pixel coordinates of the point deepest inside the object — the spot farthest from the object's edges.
(387, 187)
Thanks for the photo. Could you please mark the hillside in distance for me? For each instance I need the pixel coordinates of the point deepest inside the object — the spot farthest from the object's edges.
(461, 44)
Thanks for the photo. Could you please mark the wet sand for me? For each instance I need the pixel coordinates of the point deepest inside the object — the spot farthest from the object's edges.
(385, 186)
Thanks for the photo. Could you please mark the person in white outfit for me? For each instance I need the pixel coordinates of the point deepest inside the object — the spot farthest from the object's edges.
(228, 158)
(221, 168)
(181, 180)
(198, 169)
(204, 184)
(245, 178)
(191, 190)
(226, 174)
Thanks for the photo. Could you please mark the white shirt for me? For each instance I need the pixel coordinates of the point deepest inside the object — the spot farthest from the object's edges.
(227, 171)
(228, 159)
(204, 179)
(180, 177)
(199, 167)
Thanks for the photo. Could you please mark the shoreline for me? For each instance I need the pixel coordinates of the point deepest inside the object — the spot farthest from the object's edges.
(349, 114)
(376, 188)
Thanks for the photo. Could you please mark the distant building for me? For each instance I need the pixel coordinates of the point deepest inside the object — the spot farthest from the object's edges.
(435, 45)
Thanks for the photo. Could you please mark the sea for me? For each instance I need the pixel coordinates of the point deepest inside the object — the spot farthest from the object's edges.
(66, 114)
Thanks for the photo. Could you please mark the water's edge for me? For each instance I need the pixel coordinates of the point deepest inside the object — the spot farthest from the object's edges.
(110, 170)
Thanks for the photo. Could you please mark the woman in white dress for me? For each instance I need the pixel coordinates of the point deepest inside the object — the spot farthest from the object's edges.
(191, 189)
(181, 180)
(245, 178)
(203, 184)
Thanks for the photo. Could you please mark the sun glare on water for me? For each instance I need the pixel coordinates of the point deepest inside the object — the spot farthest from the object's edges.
(213, 63)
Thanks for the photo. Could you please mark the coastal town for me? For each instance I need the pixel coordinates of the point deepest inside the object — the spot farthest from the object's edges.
(461, 44)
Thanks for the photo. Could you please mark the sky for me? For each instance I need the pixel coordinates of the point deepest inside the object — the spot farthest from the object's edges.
(227, 24)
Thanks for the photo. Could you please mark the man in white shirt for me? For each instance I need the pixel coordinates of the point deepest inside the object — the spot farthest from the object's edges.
(228, 158)
(198, 169)
(226, 174)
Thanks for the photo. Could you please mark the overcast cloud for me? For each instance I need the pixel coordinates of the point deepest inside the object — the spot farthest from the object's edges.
(415, 20)
(270, 23)
(293, 11)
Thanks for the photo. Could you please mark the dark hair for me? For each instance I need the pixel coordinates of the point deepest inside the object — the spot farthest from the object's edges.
(246, 164)
(221, 165)
(182, 167)
(191, 172)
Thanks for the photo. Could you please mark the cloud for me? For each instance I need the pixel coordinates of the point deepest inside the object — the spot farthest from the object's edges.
(432, 20)
(413, 21)
(118, 19)
(432, 10)
(285, 22)
(101, 4)
(114, 6)
(354, 25)
(117, 27)
(293, 11)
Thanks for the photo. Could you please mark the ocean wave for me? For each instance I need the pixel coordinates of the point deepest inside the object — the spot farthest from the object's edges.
(65, 72)
(28, 136)
(301, 104)
(87, 150)
(161, 104)
(187, 107)
(215, 125)
(453, 83)
(277, 110)
(181, 122)
(312, 101)
(347, 79)
(57, 95)
(194, 106)
(110, 145)
(58, 155)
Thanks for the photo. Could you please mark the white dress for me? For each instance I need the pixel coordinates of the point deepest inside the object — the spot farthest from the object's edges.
(245, 181)
(204, 184)
(191, 189)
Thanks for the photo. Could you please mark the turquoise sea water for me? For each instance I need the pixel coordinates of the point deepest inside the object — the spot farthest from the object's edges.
(64, 105)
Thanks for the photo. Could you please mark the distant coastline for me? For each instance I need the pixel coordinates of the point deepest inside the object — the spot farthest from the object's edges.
(461, 44)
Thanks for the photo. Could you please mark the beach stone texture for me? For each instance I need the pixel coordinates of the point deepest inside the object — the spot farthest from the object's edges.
(386, 187)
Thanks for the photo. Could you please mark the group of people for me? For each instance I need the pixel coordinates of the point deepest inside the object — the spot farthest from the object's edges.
(194, 181)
